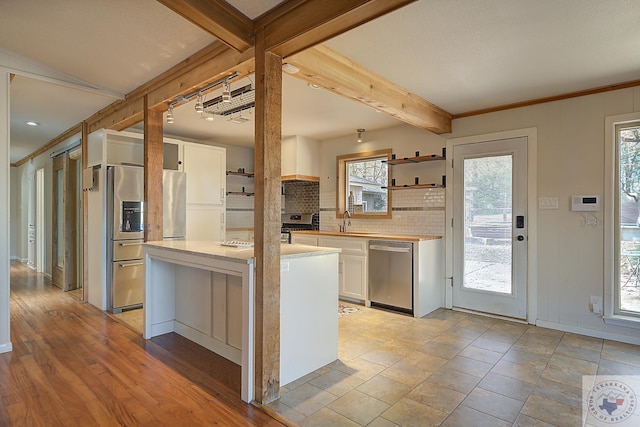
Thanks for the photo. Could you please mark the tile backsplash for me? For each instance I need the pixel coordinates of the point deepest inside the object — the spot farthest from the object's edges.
(414, 211)
(301, 197)
(298, 197)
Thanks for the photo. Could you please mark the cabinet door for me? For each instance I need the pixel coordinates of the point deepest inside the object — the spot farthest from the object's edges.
(205, 223)
(171, 156)
(353, 276)
(206, 175)
(304, 240)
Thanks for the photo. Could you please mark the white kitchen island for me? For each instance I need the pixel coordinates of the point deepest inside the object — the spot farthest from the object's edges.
(205, 292)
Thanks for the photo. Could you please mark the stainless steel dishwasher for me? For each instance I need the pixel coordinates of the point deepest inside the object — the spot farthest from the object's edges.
(391, 275)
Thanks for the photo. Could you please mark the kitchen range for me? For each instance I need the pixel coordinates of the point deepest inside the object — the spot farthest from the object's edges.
(297, 222)
(125, 230)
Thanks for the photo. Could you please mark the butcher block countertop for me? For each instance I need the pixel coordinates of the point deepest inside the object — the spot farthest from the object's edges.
(367, 235)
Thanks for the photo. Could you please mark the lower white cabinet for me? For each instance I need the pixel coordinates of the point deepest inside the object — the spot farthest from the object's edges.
(304, 240)
(352, 276)
(352, 266)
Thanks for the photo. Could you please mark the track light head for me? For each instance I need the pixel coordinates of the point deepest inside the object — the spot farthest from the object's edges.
(170, 115)
(226, 93)
(199, 106)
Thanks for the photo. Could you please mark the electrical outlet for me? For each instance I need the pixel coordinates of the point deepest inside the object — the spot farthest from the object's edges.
(595, 304)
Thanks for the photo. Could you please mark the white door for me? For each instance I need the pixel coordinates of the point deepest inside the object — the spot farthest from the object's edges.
(490, 227)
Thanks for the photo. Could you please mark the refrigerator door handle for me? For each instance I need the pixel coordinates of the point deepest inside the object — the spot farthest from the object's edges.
(131, 264)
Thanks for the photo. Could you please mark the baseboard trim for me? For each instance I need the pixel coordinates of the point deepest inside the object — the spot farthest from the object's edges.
(589, 332)
(6, 348)
(493, 316)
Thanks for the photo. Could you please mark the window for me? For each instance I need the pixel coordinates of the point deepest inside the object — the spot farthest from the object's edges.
(627, 220)
(362, 182)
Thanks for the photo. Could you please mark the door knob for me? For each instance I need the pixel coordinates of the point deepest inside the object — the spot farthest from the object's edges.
(520, 238)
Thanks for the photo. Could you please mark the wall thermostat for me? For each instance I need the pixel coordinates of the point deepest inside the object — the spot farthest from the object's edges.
(585, 203)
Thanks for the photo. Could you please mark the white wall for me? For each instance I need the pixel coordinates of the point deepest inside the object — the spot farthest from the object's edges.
(415, 211)
(5, 189)
(21, 191)
(15, 244)
(570, 161)
(570, 256)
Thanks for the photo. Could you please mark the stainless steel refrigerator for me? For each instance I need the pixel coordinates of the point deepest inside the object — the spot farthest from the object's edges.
(174, 205)
(125, 230)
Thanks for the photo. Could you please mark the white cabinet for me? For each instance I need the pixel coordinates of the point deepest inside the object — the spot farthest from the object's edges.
(205, 223)
(300, 158)
(205, 167)
(304, 240)
(352, 266)
(352, 270)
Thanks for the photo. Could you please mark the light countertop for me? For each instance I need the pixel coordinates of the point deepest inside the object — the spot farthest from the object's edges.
(215, 250)
(367, 235)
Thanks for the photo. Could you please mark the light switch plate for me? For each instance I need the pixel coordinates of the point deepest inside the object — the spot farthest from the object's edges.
(548, 203)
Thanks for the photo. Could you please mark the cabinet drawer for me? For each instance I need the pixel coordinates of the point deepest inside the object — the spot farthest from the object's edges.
(127, 249)
(349, 245)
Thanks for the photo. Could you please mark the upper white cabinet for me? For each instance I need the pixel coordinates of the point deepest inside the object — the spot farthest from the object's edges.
(300, 159)
(109, 147)
(205, 167)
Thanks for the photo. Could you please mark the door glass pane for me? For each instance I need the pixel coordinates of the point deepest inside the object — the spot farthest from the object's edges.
(59, 182)
(628, 220)
(487, 223)
(366, 186)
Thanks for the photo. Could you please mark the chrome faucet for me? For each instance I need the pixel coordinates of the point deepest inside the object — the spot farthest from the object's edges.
(343, 228)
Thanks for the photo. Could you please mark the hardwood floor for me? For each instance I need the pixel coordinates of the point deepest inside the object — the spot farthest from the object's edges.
(72, 365)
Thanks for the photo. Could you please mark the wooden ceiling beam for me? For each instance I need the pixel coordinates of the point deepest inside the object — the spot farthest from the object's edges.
(218, 18)
(330, 70)
(294, 28)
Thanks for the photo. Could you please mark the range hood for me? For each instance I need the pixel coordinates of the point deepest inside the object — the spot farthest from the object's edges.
(300, 159)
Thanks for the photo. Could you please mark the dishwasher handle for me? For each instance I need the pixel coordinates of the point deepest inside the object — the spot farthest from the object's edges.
(389, 248)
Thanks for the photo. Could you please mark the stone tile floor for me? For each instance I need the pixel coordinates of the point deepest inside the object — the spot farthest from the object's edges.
(451, 369)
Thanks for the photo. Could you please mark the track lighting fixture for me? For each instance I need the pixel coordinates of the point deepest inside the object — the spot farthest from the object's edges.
(170, 114)
(360, 132)
(225, 105)
(226, 94)
(199, 106)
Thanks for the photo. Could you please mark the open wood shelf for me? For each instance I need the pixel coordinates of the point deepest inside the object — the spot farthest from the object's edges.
(413, 186)
(239, 193)
(418, 159)
(247, 174)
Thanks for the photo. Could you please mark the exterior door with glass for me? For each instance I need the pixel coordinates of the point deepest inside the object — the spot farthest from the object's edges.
(490, 227)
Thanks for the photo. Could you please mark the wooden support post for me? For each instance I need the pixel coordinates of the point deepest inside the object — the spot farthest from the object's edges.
(84, 144)
(268, 135)
(153, 144)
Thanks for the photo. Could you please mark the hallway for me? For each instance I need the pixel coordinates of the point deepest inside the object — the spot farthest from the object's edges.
(73, 365)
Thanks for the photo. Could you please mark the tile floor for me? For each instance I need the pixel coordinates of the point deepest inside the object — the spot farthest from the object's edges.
(451, 369)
